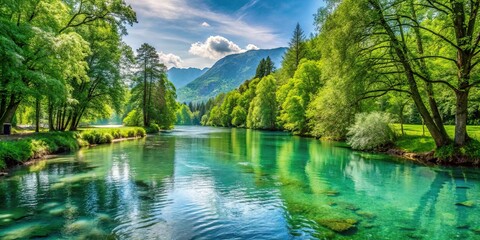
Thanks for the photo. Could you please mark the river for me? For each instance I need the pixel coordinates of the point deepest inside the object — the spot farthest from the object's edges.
(216, 183)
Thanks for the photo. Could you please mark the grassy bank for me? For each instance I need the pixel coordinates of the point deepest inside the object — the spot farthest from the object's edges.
(15, 152)
(415, 142)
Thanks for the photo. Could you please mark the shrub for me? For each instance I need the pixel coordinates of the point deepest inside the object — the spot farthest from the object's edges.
(153, 128)
(370, 131)
(141, 132)
(470, 153)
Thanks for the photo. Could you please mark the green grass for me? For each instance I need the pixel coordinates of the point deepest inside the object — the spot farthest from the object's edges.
(415, 142)
(107, 135)
(14, 152)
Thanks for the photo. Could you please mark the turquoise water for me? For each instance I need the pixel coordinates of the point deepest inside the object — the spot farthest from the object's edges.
(214, 183)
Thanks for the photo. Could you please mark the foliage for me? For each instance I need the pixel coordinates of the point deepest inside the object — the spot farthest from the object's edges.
(265, 68)
(295, 53)
(301, 89)
(62, 58)
(262, 110)
(153, 128)
(133, 118)
(107, 135)
(36, 146)
(370, 131)
(151, 91)
(19, 151)
(184, 115)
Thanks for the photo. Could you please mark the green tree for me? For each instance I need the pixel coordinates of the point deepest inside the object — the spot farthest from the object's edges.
(301, 89)
(296, 52)
(263, 109)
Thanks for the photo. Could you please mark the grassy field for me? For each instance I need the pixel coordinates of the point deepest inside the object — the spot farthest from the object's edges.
(414, 141)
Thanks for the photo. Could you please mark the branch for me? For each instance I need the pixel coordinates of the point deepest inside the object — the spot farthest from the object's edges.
(436, 81)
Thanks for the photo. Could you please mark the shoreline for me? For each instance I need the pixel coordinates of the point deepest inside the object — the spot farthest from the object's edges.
(5, 172)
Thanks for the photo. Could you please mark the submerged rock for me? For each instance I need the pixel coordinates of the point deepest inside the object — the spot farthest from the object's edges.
(332, 193)
(466, 204)
(15, 214)
(57, 211)
(339, 225)
(26, 231)
(366, 214)
(5, 221)
(351, 207)
(96, 234)
(56, 186)
(102, 217)
(80, 226)
(49, 205)
(464, 226)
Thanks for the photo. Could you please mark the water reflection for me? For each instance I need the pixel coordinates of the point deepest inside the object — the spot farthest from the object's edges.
(214, 183)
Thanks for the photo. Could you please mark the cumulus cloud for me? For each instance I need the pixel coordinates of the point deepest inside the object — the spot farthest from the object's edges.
(215, 47)
(170, 60)
(251, 47)
(205, 24)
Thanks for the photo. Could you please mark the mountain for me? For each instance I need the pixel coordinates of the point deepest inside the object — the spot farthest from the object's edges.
(227, 74)
(183, 76)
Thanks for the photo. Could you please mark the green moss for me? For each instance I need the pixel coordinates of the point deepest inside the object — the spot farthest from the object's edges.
(466, 204)
(338, 225)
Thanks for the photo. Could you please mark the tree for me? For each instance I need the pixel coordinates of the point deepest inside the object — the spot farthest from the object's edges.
(296, 52)
(265, 68)
(301, 89)
(404, 46)
(152, 92)
(263, 109)
(184, 115)
(46, 51)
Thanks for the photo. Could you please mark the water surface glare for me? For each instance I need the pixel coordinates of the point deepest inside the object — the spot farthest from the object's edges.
(215, 183)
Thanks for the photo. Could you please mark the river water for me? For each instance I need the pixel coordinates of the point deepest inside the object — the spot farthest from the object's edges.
(215, 183)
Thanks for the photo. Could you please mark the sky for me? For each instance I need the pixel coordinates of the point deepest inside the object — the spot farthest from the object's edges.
(197, 33)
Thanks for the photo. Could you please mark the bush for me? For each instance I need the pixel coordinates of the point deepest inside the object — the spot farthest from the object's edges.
(36, 146)
(153, 128)
(470, 153)
(370, 131)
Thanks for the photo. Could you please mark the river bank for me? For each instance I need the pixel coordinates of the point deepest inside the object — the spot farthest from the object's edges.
(32, 147)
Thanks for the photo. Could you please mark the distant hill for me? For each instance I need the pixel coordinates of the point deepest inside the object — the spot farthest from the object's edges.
(227, 74)
(183, 76)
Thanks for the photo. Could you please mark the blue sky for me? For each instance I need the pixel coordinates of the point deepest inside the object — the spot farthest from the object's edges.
(196, 33)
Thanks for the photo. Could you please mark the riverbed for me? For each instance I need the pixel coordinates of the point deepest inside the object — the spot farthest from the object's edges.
(218, 183)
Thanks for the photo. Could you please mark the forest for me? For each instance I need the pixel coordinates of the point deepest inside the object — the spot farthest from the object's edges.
(64, 64)
(371, 63)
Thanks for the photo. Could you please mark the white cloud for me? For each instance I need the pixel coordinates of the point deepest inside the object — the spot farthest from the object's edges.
(170, 60)
(216, 47)
(205, 24)
(251, 47)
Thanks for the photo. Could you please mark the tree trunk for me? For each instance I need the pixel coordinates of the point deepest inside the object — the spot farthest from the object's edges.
(145, 121)
(437, 118)
(402, 107)
(401, 51)
(37, 114)
(8, 116)
(51, 126)
(461, 115)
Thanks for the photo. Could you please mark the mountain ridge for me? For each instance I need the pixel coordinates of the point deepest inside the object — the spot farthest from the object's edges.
(183, 76)
(227, 74)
